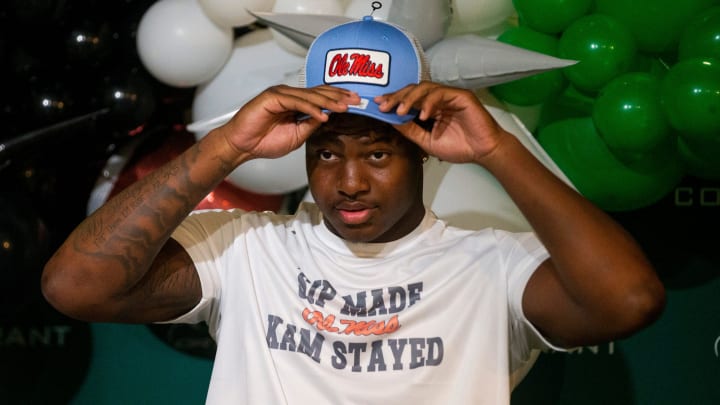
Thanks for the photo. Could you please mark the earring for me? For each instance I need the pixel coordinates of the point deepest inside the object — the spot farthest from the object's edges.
(425, 159)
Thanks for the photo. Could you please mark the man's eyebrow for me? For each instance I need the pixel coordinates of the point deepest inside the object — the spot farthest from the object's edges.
(364, 137)
(382, 138)
(323, 139)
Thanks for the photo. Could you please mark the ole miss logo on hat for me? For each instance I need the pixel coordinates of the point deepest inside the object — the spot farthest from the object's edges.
(357, 66)
(369, 58)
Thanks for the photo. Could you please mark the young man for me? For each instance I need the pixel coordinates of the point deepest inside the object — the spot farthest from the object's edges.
(363, 296)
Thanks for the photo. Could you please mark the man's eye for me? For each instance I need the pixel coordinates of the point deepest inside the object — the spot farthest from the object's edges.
(325, 155)
(379, 155)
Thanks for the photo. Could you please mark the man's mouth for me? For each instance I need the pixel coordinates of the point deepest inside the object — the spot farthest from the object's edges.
(354, 216)
(353, 212)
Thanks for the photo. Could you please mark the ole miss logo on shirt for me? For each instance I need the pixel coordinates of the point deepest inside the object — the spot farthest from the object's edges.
(357, 66)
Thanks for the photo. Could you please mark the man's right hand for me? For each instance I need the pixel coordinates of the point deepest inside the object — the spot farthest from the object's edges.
(268, 125)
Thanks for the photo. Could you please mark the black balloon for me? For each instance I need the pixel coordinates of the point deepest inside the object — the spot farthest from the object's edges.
(130, 94)
(23, 65)
(89, 44)
(23, 249)
(52, 103)
(35, 12)
(14, 110)
(65, 60)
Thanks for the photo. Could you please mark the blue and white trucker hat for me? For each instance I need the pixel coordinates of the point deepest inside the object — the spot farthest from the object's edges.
(369, 57)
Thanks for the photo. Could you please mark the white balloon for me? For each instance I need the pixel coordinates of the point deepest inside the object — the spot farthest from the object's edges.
(234, 13)
(180, 45)
(529, 115)
(490, 32)
(300, 28)
(360, 8)
(466, 195)
(110, 174)
(427, 20)
(324, 7)
(257, 62)
(473, 16)
(272, 176)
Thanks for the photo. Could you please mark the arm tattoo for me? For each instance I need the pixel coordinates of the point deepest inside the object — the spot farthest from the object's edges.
(133, 226)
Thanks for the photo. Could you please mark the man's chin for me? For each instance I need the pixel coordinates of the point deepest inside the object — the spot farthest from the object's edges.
(355, 233)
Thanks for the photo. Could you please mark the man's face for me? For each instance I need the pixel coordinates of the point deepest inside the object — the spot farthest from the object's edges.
(366, 178)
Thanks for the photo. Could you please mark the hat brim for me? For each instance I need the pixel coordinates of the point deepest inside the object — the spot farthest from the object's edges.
(370, 109)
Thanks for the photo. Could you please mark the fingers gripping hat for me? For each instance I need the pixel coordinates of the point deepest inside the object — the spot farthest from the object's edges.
(368, 57)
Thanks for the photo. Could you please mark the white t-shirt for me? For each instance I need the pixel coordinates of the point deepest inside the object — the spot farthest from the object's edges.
(301, 316)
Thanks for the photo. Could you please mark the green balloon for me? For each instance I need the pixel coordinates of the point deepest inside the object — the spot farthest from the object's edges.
(579, 151)
(657, 66)
(701, 159)
(690, 97)
(701, 37)
(550, 16)
(537, 88)
(628, 115)
(604, 47)
(655, 24)
(570, 104)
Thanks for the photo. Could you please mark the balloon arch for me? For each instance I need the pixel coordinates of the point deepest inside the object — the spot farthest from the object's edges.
(636, 113)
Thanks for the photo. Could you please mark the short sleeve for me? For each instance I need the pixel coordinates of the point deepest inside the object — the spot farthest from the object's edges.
(206, 236)
(524, 255)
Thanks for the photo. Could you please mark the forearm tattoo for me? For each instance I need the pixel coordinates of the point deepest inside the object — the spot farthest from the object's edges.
(132, 228)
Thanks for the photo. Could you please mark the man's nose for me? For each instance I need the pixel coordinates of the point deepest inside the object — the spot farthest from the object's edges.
(352, 179)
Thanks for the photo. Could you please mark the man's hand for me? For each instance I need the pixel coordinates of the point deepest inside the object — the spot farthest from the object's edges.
(463, 130)
(268, 125)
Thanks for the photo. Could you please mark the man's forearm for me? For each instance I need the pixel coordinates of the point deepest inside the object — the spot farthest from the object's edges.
(111, 250)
